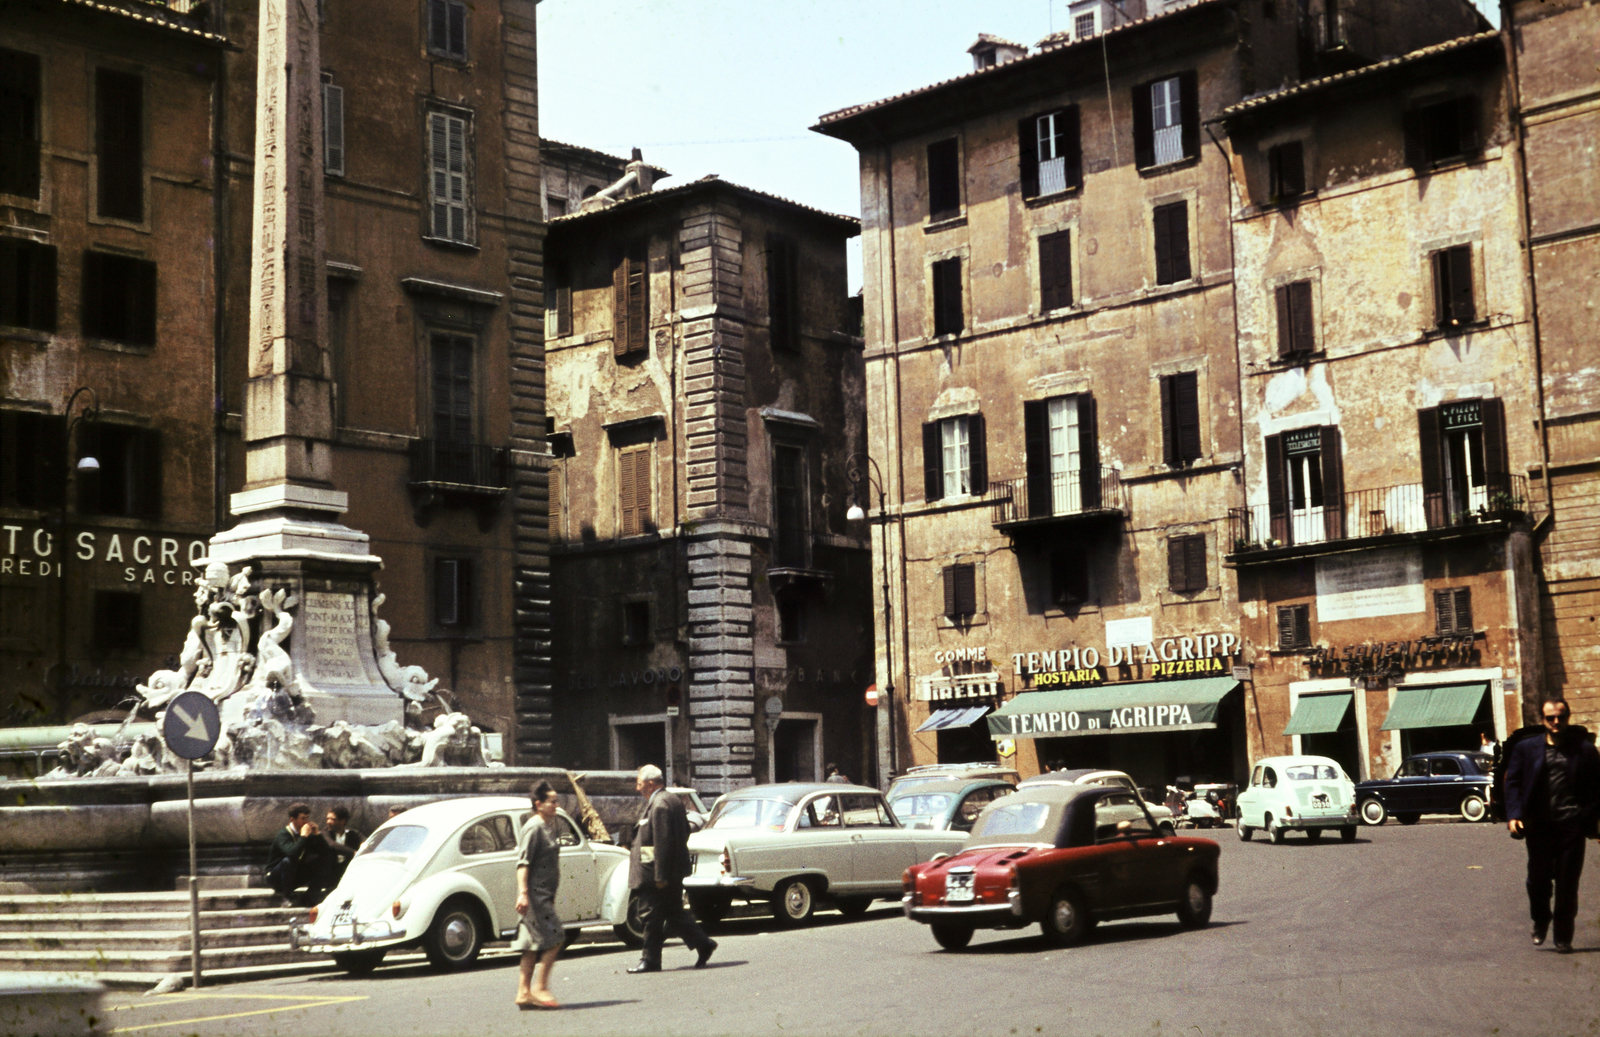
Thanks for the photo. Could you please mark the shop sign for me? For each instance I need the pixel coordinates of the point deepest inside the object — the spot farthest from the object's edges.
(975, 654)
(1085, 678)
(963, 688)
(130, 556)
(1200, 655)
(1461, 414)
(1177, 716)
(1392, 658)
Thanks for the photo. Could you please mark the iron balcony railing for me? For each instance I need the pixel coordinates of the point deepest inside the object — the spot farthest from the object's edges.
(1064, 494)
(1387, 511)
(459, 463)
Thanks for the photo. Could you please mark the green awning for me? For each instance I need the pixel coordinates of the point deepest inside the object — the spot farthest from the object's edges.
(1113, 709)
(1446, 705)
(1319, 714)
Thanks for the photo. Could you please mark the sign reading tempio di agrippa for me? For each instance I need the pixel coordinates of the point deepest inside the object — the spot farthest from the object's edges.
(328, 623)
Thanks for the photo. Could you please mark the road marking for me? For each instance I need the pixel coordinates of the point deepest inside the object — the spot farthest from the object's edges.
(296, 1001)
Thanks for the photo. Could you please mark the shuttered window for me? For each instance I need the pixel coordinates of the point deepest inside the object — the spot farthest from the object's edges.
(332, 127)
(19, 123)
(1171, 225)
(955, 458)
(33, 453)
(633, 490)
(1166, 120)
(1305, 485)
(1294, 627)
(452, 388)
(447, 29)
(948, 318)
(119, 145)
(1442, 132)
(944, 179)
(128, 482)
(448, 187)
(558, 478)
(557, 300)
(119, 298)
(630, 310)
(788, 504)
(1186, 563)
(1286, 171)
(783, 295)
(1180, 418)
(1050, 157)
(1296, 327)
(27, 284)
(1453, 302)
(452, 591)
(1452, 609)
(960, 590)
(1055, 271)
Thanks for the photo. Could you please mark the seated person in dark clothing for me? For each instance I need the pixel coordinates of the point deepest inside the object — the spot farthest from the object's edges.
(296, 853)
(343, 842)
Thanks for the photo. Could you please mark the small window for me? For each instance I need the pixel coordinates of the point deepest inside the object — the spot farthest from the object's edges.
(636, 623)
(27, 284)
(1050, 153)
(33, 452)
(1294, 627)
(555, 206)
(128, 481)
(954, 457)
(791, 620)
(944, 179)
(332, 126)
(1166, 121)
(117, 621)
(564, 833)
(783, 296)
(1085, 25)
(789, 505)
(119, 145)
(452, 592)
(1186, 563)
(1452, 611)
(960, 590)
(630, 309)
(447, 29)
(448, 187)
(1180, 418)
(634, 504)
(1443, 131)
(484, 837)
(19, 123)
(1296, 328)
(558, 300)
(119, 298)
(452, 364)
(1171, 225)
(1055, 271)
(1453, 302)
(1069, 579)
(947, 314)
(1286, 171)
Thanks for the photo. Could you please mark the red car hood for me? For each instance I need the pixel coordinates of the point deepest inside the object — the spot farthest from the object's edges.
(985, 856)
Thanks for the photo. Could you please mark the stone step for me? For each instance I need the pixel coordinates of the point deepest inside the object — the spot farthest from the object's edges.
(117, 941)
(163, 961)
(210, 921)
(125, 903)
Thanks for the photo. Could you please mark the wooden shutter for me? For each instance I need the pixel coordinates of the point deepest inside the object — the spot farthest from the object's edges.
(1461, 602)
(141, 304)
(438, 26)
(19, 123)
(1332, 484)
(1303, 328)
(1431, 451)
(1036, 443)
(932, 462)
(950, 315)
(1071, 145)
(1089, 451)
(1186, 414)
(1194, 558)
(944, 179)
(447, 145)
(1189, 110)
(1286, 175)
(1285, 320)
(41, 288)
(1144, 134)
(950, 591)
(619, 307)
(119, 144)
(458, 29)
(1444, 612)
(632, 489)
(556, 476)
(1463, 309)
(966, 589)
(1163, 231)
(1172, 242)
(1496, 467)
(332, 129)
(1177, 564)
(1169, 432)
(1055, 271)
(1028, 155)
(1277, 491)
(977, 456)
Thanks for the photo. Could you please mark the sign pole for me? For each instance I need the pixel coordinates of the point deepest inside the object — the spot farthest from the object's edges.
(190, 729)
(194, 893)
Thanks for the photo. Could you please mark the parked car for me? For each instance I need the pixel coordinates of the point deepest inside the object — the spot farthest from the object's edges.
(694, 808)
(443, 876)
(1066, 857)
(1110, 779)
(1429, 783)
(947, 805)
(1304, 793)
(794, 844)
(945, 771)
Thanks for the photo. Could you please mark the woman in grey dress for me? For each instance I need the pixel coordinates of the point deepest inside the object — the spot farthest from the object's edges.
(539, 932)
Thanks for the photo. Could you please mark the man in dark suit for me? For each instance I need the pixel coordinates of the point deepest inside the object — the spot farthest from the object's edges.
(295, 854)
(1553, 800)
(657, 865)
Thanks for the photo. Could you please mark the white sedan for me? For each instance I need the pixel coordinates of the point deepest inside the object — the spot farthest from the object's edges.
(1308, 793)
(444, 876)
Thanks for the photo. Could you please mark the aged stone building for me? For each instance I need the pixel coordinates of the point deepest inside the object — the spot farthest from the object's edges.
(704, 406)
(1052, 382)
(1384, 550)
(1555, 81)
(108, 195)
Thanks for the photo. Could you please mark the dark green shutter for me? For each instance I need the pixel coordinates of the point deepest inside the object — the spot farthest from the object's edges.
(932, 462)
(1036, 442)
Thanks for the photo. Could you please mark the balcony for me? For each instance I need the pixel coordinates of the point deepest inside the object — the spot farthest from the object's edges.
(447, 472)
(1391, 514)
(1065, 498)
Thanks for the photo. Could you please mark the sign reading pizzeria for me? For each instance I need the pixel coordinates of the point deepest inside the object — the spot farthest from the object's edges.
(1171, 658)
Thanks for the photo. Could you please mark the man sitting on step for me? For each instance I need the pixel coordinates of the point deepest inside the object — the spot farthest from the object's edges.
(295, 856)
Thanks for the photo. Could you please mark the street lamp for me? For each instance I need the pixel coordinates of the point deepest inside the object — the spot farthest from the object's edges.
(87, 463)
(856, 474)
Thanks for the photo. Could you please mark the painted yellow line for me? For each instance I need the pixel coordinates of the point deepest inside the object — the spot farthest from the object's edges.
(298, 1002)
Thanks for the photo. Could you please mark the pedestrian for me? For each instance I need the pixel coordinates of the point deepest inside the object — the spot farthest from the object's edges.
(343, 842)
(1487, 745)
(539, 932)
(1553, 801)
(834, 777)
(657, 865)
(294, 855)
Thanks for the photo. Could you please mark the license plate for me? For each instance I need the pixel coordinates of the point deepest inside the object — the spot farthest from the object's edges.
(958, 887)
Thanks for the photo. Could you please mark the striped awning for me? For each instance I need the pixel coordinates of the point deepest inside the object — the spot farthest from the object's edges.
(941, 719)
(1319, 714)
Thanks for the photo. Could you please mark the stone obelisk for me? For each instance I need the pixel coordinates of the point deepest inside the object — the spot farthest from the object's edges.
(288, 530)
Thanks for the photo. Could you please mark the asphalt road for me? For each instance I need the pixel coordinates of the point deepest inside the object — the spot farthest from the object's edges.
(1408, 931)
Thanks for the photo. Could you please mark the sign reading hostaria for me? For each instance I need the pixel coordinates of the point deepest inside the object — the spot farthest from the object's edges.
(1129, 643)
(328, 624)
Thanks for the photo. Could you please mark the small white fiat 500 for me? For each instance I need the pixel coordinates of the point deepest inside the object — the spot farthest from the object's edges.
(1306, 793)
(444, 876)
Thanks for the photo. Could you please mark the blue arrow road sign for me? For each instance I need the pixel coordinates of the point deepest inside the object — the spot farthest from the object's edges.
(191, 726)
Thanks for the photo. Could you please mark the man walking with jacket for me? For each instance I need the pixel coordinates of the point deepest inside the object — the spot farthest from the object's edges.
(1553, 800)
(657, 865)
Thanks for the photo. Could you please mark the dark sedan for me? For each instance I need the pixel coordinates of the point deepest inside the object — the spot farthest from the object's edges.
(1429, 783)
(1066, 857)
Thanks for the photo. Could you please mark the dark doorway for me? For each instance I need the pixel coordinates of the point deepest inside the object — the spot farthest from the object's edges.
(794, 751)
(970, 744)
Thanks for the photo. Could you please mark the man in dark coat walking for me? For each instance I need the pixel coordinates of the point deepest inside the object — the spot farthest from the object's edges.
(1553, 800)
(657, 865)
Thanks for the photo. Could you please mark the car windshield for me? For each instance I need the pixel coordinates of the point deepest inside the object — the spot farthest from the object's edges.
(1013, 819)
(1312, 772)
(749, 813)
(400, 842)
(924, 806)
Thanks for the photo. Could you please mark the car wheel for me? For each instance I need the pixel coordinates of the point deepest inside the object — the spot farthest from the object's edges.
(709, 908)
(1314, 834)
(1473, 807)
(1408, 819)
(1373, 812)
(1274, 832)
(631, 931)
(1245, 832)
(359, 963)
(950, 936)
(1348, 833)
(1067, 922)
(793, 902)
(855, 907)
(1194, 911)
(455, 937)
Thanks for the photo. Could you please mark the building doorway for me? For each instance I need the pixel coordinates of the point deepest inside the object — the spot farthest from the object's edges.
(638, 740)
(795, 750)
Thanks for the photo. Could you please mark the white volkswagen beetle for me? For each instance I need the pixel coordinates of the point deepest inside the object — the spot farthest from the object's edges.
(444, 876)
(1308, 793)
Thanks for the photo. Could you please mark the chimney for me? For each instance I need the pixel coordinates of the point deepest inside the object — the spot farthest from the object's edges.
(992, 50)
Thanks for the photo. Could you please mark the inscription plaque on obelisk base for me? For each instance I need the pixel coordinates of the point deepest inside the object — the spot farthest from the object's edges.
(288, 531)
